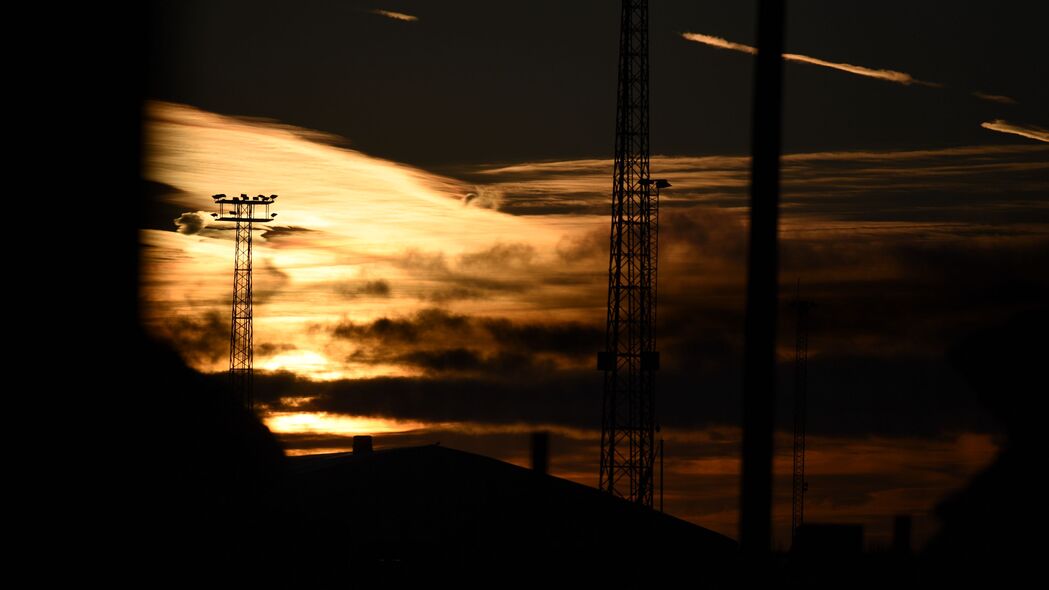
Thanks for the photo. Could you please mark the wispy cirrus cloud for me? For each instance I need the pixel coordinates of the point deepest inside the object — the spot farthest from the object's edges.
(395, 15)
(385, 237)
(720, 43)
(887, 75)
(847, 185)
(993, 97)
(432, 292)
(1028, 131)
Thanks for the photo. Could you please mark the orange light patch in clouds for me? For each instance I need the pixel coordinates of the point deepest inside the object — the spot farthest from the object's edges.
(314, 422)
(318, 367)
(965, 453)
(861, 480)
(336, 424)
(523, 428)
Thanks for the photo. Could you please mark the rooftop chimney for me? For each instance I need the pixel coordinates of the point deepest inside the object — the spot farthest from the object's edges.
(901, 534)
(362, 445)
(540, 452)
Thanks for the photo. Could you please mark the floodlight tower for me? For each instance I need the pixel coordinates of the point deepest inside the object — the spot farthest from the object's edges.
(242, 211)
(801, 360)
(630, 359)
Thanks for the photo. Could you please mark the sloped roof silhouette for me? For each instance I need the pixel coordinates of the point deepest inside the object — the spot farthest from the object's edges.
(452, 509)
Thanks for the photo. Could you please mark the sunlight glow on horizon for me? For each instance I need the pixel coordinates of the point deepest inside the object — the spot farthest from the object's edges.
(335, 424)
(317, 367)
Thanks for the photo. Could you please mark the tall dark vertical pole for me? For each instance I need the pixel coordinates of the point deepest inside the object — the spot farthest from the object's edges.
(759, 363)
(630, 360)
(541, 452)
(661, 475)
(801, 373)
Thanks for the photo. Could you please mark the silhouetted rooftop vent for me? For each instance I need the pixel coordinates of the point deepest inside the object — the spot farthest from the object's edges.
(362, 445)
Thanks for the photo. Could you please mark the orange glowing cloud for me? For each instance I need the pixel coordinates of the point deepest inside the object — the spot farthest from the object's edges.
(396, 15)
(347, 223)
(887, 75)
(1028, 131)
(335, 424)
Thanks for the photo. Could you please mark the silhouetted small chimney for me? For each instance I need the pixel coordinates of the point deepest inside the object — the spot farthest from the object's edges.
(362, 445)
(901, 534)
(540, 452)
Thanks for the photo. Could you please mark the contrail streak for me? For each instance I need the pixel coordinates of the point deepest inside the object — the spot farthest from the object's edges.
(889, 75)
(395, 15)
(994, 97)
(1028, 131)
(720, 43)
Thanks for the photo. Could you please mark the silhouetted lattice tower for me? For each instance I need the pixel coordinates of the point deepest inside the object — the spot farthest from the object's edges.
(801, 359)
(241, 210)
(630, 360)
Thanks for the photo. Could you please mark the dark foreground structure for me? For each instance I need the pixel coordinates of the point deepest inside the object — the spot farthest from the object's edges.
(212, 497)
(450, 514)
(215, 498)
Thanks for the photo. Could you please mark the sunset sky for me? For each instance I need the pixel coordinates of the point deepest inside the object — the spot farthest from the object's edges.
(438, 267)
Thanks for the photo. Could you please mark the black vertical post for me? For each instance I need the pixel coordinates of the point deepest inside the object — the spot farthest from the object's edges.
(759, 363)
(901, 534)
(541, 452)
(661, 475)
(801, 362)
